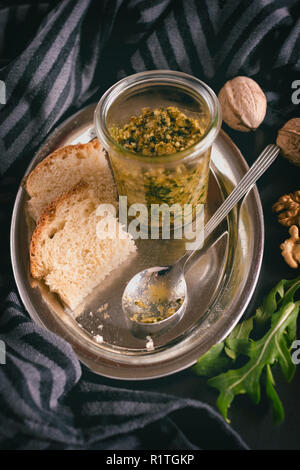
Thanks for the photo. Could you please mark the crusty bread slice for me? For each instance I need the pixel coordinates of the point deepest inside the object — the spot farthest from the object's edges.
(63, 169)
(65, 250)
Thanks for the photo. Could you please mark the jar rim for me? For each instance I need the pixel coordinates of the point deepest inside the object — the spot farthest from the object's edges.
(165, 76)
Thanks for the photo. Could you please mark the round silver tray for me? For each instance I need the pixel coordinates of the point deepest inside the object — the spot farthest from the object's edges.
(220, 284)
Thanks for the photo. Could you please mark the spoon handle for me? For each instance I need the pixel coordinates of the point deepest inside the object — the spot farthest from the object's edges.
(260, 165)
(263, 162)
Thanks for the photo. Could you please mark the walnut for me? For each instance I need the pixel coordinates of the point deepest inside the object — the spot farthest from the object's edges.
(288, 207)
(291, 248)
(243, 103)
(288, 139)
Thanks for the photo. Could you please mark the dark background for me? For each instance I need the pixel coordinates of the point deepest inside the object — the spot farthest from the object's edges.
(254, 423)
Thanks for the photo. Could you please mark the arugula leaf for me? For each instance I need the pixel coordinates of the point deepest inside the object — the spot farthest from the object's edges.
(278, 411)
(213, 362)
(269, 305)
(278, 315)
(263, 352)
(241, 331)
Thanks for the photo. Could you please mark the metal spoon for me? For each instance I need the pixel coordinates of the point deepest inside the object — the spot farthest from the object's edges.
(160, 293)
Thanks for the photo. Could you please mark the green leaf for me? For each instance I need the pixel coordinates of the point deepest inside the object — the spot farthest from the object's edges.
(292, 287)
(265, 338)
(288, 368)
(241, 331)
(270, 303)
(283, 353)
(231, 354)
(291, 331)
(240, 346)
(213, 362)
(278, 411)
(261, 353)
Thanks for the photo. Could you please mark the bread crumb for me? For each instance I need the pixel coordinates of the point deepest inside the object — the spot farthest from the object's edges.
(98, 338)
(102, 308)
(149, 344)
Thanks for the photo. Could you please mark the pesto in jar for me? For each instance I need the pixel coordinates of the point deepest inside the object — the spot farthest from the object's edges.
(157, 133)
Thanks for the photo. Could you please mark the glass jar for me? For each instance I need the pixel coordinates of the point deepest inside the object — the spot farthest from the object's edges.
(180, 178)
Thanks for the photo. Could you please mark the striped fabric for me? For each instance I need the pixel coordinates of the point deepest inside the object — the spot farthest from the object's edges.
(76, 53)
(57, 57)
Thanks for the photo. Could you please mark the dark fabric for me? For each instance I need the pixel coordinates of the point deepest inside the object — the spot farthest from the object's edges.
(58, 57)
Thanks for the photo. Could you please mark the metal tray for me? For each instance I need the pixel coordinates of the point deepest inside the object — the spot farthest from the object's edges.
(220, 284)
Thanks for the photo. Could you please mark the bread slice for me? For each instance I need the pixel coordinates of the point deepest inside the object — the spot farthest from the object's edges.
(65, 250)
(63, 169)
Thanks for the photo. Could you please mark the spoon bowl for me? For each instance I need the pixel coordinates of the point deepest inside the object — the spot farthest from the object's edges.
(152, 298)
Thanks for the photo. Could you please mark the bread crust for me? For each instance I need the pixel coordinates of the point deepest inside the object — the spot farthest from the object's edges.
(56, 154)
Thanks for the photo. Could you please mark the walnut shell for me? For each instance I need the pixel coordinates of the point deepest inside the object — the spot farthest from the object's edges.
(288, 140)
(243, 103)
